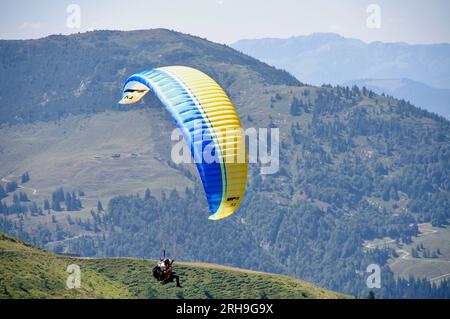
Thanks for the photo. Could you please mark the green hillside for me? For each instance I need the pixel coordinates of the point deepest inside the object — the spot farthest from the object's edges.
(28, 272)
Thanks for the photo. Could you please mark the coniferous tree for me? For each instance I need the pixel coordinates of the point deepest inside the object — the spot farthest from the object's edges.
(68, 202)
(296, 107)
(58, 195)
(16, 199)
(11, 186)
(56, 206)
(24, 178)
(23, 197)
(59, 231)
(99, 206)
(3, 193)
(46, 204)
(371, 295)
(148, 194)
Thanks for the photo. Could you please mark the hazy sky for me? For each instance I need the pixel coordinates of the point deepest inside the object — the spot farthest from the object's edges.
(226, 21)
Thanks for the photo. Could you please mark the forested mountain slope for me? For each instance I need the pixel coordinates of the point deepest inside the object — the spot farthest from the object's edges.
(48, 78)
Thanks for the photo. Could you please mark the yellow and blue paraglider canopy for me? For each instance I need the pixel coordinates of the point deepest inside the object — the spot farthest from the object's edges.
(200, 107)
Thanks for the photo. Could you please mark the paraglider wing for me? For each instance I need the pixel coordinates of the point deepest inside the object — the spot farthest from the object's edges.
(200, 107)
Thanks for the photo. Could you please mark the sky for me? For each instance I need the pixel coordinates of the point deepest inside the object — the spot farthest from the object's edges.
(226, 21)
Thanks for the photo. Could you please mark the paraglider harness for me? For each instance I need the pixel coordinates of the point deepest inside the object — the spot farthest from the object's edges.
(163, 271)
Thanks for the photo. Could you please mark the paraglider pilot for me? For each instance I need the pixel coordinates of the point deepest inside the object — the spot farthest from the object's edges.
(163, 272)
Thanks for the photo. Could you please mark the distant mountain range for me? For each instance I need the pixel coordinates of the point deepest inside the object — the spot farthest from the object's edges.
(332, 59)
(420, 94)
(327, 58)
